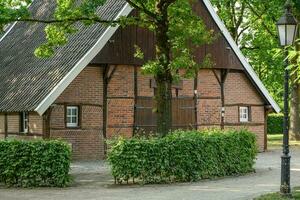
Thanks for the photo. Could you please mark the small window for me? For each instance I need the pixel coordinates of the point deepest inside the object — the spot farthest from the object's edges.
(72, 116)
(244, 114)
(24, 119)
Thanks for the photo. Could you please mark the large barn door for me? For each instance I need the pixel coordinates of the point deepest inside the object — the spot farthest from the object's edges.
(183, 113)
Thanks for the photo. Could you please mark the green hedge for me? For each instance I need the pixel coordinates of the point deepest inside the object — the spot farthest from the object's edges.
(183, 156)
(275, 124)
(34, 163)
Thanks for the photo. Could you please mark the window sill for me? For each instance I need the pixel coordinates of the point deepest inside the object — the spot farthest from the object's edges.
(73, 127)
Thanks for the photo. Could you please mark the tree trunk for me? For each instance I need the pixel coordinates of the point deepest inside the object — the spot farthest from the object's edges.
(294, 112)
(295, 103)
(163, 75)
(163, 98)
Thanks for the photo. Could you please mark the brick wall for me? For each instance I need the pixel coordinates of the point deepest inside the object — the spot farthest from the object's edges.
(120, 104)
(239, 91)
(86, 91)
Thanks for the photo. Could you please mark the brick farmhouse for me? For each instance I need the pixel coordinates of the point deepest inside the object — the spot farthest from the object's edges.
(93, 88)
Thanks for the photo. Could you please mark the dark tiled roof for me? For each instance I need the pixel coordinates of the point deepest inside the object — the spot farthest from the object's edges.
(26, 80)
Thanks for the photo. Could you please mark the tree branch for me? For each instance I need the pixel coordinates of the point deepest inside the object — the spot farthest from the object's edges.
(142, 8)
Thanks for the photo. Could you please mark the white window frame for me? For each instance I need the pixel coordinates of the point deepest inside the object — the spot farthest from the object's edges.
(24, 122)
(73, 114)
(244, 112)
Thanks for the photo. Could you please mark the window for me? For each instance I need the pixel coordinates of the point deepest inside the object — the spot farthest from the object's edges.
(24, 119)
(72, 116)
(244, 114)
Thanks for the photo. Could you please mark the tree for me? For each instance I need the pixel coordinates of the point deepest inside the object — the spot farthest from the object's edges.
(177, 28)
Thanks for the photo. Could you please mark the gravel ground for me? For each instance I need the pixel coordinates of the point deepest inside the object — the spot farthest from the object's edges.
(93, 181)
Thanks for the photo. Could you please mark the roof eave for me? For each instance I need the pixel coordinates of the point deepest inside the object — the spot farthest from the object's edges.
(83, 62)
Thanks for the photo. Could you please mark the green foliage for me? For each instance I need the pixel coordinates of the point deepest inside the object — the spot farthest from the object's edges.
(183, 156)
(34, 163)
(275, 123)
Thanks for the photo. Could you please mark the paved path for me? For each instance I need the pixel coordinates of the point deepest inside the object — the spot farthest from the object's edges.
(94, 182)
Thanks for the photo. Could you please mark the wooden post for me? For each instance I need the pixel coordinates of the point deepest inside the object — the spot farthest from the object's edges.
(221, 80)
(224, 74)
(135, 97)
(105, 84)
(46, 123)
(196, 99)
(5, 126)
(107, 75)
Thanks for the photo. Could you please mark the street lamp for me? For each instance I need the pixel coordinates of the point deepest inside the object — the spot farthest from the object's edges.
(287, 28)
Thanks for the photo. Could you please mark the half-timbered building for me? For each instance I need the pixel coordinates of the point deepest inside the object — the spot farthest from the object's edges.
(93, 88)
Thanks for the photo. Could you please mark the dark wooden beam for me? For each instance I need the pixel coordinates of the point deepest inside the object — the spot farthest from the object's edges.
(196, 99)
(104, 114)
(243, 104)
(47, 123)
(224, 73)
(135, 98)
(79, 104)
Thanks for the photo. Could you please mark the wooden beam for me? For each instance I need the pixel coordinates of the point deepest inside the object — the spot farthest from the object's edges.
(104, 114)
(135, 98)
(224, 73)
(243, 104)
(196, 99)
(47, 123)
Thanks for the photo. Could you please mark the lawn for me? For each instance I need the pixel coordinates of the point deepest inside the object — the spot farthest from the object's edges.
(277, 196)
(275, 141)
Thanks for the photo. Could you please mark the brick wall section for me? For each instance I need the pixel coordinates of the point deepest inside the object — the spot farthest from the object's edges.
(85, 91)
(208, 107)
(120, 102)
(239, 90)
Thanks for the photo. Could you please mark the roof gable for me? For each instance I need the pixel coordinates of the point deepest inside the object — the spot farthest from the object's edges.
(32, 84)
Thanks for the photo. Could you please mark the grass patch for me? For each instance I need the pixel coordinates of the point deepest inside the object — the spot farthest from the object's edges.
(275, 141)
(277, 196)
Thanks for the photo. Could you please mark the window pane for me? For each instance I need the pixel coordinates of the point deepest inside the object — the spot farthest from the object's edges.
(69, 120)
(68, 111)
(75, 111)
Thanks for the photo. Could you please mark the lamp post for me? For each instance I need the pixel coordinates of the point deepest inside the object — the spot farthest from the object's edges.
(287, 29)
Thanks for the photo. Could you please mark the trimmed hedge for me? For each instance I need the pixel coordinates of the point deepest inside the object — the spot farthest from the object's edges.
(34, 163)
(275, 124)
(183, 156)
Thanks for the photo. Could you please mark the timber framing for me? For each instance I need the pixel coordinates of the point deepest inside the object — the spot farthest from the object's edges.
(221, 80)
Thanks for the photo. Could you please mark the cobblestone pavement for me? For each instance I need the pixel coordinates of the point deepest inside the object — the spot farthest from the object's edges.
(93, 181)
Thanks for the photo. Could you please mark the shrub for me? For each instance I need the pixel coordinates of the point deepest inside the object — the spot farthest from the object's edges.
(183, 156)
(34, 163)
(275, 124)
